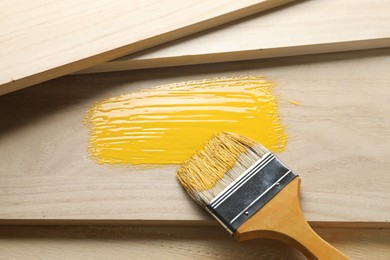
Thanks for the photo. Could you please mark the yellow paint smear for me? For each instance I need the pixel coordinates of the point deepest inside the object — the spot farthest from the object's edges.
(167, 124)
(294, 102)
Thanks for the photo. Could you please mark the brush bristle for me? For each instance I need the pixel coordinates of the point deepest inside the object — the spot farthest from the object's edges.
(223, 159)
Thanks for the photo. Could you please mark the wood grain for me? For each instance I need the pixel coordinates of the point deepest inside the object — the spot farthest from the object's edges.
(305, 27)
(338, 142)
(124, 242)
(41, 40)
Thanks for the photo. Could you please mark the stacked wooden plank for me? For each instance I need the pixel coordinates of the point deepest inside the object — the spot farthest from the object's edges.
(41, 40)
(338, 136)
(300, 28)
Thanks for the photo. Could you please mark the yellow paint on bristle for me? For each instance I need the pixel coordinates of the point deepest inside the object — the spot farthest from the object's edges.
(209, 165)
(166, 124)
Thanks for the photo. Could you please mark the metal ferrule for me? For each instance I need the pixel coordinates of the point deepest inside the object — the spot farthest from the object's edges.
(250, 192)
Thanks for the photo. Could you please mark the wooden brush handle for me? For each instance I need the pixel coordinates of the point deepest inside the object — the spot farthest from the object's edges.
(282, 219)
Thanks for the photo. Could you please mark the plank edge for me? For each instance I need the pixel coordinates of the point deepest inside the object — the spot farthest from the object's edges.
(286, 51)
(88, 222)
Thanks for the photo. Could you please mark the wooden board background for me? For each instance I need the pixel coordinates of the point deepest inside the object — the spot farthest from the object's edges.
(338, 141)
(124, 242)
(303, 27)
(41, 40)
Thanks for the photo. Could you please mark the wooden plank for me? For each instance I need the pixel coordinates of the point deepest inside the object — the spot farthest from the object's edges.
(124, 242)
(338, 142)
(41, 40)
(306, 27)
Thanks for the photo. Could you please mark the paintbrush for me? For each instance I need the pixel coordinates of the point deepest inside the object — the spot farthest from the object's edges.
(251, 193)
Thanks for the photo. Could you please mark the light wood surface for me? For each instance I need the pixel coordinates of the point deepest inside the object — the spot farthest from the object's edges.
(41, 40)
(338, 142)
(305, 27)
(282, 219)
(121, 242)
